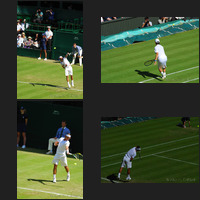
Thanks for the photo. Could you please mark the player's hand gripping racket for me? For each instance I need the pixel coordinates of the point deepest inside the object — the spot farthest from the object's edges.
(148, 62)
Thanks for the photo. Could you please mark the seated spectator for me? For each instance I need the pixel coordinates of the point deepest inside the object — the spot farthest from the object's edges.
(162, 20)
(20, 41)
(24, 37)
(29, 43)
(36, 41)
(38, 16)
(50, 16)
(102, 20)
(183, 18)
(108, 18)
(146, 22)
(19, 27)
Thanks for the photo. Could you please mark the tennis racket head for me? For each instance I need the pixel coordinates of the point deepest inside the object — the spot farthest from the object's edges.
(79, 156)
(148, 62)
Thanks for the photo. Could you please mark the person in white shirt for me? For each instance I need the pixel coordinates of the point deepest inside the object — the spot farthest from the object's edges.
(161, 58)
(49, 35)
(19, 27)
(127, 161)
(60, 156)
(20, 41)
(146, 22)
(68, 69)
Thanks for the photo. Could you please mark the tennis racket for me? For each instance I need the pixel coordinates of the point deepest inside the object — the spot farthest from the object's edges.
(148, 62)
(77, 156)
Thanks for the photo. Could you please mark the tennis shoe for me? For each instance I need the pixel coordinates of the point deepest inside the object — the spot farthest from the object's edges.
(68, 177)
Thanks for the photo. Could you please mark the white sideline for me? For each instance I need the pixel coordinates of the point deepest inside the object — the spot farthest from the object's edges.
(44, 84)
(50, 192)
(153, 154)
(170, 74)
(175, 159)
(153, 146)
(190, 80)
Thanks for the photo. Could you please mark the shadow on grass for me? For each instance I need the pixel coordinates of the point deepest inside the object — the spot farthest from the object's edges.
(145, 74)
(113, 178)
(49, 85)
(32, 150)
(42, 181)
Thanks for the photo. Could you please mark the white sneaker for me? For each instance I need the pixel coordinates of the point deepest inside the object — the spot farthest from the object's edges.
(128, 178)
(49, 152)
(118, 176)
(54, 180)
(24, 146)
(68, 177)
(45, 59)
(39, 58)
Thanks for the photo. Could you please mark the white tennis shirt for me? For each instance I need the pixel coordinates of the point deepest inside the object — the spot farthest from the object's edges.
(131, 152)
(61, 150)
(160, 50)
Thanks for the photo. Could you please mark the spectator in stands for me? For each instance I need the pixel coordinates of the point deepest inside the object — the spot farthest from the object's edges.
(50, 16)
(146, 22)
(61, 132)
(108, 18)
(29, 43)
(162, 20)
(20, 41)
(22, 121)
(49, 35)
(36, 41)
(38, 16)
(43, 47)
(24, 25)
(24, 37)
(102, 20)
(19, 27)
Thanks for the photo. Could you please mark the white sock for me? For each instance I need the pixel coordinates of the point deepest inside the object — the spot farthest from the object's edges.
(68, 84)
(54, 175)
(119, 175)
(162, 73)
(80, 61)
(72, 83)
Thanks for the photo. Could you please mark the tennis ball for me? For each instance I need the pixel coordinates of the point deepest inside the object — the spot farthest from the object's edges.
(54, 47)
(198, 126)
(75, 163)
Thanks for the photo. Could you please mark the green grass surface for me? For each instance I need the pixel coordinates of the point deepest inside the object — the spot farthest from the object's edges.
(49, 78)
(35, 175)
(170, 154)
(126, 64)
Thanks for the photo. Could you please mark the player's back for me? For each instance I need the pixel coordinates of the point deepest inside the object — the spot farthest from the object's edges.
(66, 62)
(160, 50)
(131, 152)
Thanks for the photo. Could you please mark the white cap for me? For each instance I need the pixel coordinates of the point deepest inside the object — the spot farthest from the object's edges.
(157, 41)
(68, 135)
(60, 57)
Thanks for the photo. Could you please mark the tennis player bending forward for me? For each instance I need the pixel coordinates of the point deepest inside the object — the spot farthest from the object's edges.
(161, 58)
(63, 147)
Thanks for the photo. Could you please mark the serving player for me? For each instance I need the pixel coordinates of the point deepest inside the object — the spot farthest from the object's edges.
(60, 156)
(68, 69)
(161, 58)
(127, 161)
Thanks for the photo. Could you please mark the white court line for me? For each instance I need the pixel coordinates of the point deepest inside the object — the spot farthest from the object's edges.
(47, 84)
(191, 80)
(170, 74)
(152, 154)
(175, 159)
(109, 180)
(153, 146)
(50, 192)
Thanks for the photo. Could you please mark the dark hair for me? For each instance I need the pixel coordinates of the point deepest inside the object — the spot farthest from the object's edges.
(64, 121)
(146, 18)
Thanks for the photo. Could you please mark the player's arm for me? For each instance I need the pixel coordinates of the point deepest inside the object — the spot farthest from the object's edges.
(156, 58)
(67, 150)
(56, 143)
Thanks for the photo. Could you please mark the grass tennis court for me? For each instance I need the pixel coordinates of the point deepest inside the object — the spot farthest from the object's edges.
(126, 64)
(39, 79)
(170, 154)
(35, 175)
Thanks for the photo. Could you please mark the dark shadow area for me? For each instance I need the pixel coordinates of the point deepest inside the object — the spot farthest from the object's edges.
(43, 181)
(180, 125)
(145, 74)
(49, 85)
(113, 178)
(32, 150)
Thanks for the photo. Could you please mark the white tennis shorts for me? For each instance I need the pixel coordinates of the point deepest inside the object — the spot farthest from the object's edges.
(162, 62)
(126, 162)
(68, 71)
(62, 159)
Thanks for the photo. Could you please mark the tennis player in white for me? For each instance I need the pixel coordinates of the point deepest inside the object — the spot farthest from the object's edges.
(161, 58)
(62, 149)
(127, 161)
(68, 69)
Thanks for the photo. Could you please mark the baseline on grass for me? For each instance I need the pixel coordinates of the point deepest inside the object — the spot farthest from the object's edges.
(166, 141)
